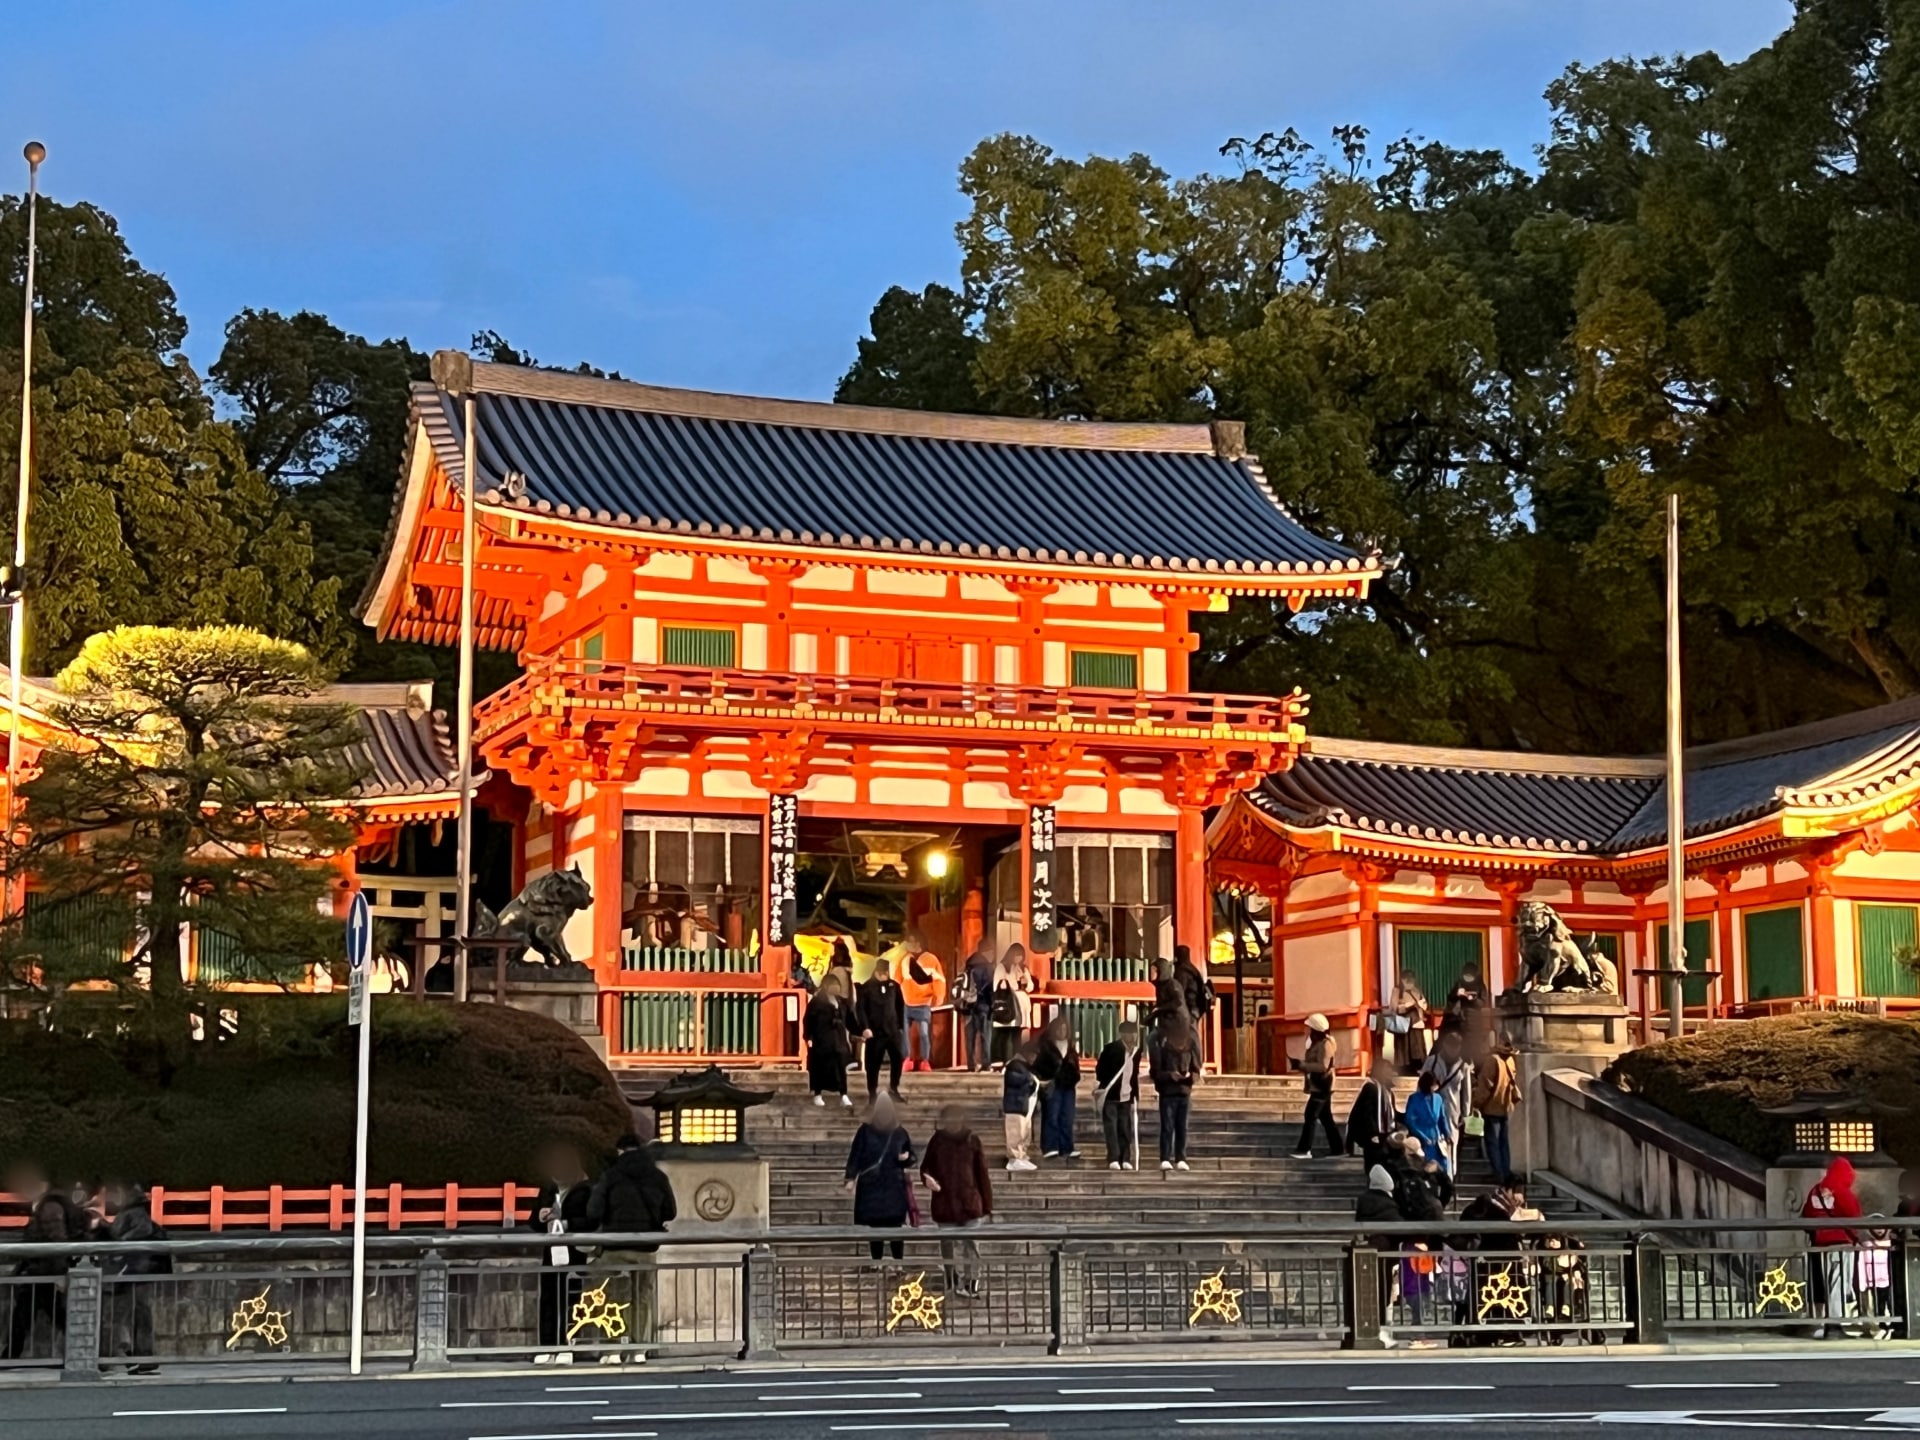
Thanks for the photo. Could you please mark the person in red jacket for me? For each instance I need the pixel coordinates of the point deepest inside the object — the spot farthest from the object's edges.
(1831, 1273)
(955, 1169)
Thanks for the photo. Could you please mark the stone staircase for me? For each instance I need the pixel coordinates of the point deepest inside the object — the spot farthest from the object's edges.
(1242, 1133)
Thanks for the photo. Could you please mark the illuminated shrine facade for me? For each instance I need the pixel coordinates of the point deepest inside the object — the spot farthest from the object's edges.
(921, 641)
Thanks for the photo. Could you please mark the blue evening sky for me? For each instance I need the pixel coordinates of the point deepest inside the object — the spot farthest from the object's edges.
(707, 192)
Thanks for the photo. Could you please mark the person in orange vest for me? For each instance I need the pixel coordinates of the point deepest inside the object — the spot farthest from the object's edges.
(923, 985)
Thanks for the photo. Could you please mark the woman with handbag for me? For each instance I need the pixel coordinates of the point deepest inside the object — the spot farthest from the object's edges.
(878, 1174)
(1406, 1022)
(1012, 1003)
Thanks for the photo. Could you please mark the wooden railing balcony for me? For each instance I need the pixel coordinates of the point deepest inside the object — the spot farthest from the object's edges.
(573, 690)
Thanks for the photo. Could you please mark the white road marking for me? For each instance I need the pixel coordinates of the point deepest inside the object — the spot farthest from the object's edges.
(236, 1410)
(1375, 1418)
(856, 1395)
(1124, 1407)
(1147, 1390)
(511, 1404)
(1708, 1385)
(976, 1425)
(847, 1377)
(1415, 1388)
(577, 1435)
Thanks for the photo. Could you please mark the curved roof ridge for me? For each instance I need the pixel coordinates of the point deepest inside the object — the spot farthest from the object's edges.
(1804, 737)
(559, 385)
(1441, 757)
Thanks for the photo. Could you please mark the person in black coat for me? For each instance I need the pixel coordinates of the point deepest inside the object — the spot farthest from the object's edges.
(1175, 1064)
(882, 1015)
(1116, 1080)
(1370, 1123)
(1058, 1068)
(128, 1321)
(879, 1165)
(559, 1209)
(632, 1197)
(829, 1047)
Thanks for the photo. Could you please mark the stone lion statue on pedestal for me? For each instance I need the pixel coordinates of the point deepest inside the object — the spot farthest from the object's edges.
(537, 917)
(1551, 959)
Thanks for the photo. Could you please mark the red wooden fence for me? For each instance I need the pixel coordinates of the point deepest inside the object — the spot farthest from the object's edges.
(389, 1207)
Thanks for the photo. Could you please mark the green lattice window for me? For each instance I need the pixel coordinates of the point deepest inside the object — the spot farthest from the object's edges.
(593, 650)
(1699, 942)
(1106, 669)
(1436, 958)
(698, 645)
(1887, 940)
(1776, 960)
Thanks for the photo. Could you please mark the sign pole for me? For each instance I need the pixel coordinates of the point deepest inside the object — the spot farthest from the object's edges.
(1676, 792)
(359, 1015)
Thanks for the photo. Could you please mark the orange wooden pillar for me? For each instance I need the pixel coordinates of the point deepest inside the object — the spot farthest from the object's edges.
(1192, 904)
(609, 877)
(1820, 923)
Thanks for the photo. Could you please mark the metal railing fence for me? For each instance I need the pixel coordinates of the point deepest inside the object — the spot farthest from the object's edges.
(434, 1301)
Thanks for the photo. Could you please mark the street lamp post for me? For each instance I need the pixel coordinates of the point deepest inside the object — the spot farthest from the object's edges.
(34, 152)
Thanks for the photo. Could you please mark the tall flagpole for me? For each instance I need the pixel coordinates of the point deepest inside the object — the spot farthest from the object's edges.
(1676, 794)
(35, 152)
(462, 921)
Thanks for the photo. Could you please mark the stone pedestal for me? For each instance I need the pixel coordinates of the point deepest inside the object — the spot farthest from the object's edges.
(572, 1000)
(1555, 1030)
(724, 1192)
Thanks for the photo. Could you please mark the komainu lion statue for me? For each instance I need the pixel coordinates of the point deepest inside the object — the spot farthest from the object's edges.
(1551, 959)
(537, 917)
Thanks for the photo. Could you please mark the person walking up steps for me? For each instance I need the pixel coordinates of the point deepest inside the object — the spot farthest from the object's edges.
(1019, 1098)
(1496, 1094)
(1057, 1066)
(955, 1169)
(829, 1048)
(1011, 1005)
(1317, 1065)
(883, 1026)
(923, 985)
(877, 1174)
(973, 1006)
(1116, 1077)
(1175, 1066)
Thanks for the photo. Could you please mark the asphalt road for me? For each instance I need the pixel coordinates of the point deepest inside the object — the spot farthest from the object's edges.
(1499, 1397)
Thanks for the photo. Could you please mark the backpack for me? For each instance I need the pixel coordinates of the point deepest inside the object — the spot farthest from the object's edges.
(964, 994)
(1006, 1005)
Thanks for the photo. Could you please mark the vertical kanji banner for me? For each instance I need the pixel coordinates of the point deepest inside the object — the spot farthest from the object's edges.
(1043, 919)
(783, 856)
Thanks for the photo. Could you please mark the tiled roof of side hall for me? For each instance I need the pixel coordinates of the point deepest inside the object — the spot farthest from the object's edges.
(1180, 498)
(1583, 805)
(407, 748)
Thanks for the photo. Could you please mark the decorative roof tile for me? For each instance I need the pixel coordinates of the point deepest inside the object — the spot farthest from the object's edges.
(1148, 496)
(1580, 805)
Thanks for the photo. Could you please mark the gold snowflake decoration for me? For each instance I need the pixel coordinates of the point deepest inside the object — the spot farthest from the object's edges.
(1777, 1289)
(254, 1318)
(1212, 1297)
(594, 1311)
(1502, 1293)
(913, 1301)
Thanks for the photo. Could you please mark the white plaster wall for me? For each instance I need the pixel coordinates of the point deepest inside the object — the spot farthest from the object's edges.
(906, 582)
(1153, 669)
(1323, 971)
(646, 640)
(660, 780)
(825, 577)
(1846, 959)
(1144, 800)
(832, 789)
(987, 795)
(1053, 663)
(722, 571)
(1083, 799)
(729, 785)
(1006, 664)
(894, 790)
(753, 646)
(1887, 865)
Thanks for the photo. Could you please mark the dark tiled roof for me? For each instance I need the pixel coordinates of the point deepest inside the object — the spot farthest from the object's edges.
(1459, 797)
(406, 749)
(1571, 804)
(1132, 496)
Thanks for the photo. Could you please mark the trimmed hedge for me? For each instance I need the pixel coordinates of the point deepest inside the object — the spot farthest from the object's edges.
(1720, 1079)
(466, 1094)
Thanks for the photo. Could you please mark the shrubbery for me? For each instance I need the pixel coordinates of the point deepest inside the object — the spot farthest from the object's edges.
(460, 1093)
(1721, 1079)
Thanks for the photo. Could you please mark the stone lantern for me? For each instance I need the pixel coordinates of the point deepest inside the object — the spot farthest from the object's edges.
(1823, 1124)
(719, 1188)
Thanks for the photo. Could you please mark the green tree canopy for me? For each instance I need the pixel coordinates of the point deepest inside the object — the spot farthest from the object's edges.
(1494, 374)
(146, 510)
(200, 788)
